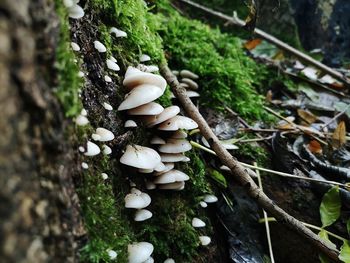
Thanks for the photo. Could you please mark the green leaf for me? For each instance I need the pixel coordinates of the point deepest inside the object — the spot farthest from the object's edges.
(330, 207)
(345, 252)
(324, 235)
(218, 177)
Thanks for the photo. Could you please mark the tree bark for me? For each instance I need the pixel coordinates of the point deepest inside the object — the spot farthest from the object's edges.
(39, 209)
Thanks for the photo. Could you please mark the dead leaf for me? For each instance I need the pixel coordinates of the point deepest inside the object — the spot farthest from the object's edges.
(339, 135)
(251, 44)
(269, 96)
(315, 147)
(250, 21)
(307, 116)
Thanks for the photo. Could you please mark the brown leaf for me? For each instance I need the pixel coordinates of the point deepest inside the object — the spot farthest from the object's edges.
(251, 44)
(339, 135)
(307, 116)
(269, 96)
(315, 147)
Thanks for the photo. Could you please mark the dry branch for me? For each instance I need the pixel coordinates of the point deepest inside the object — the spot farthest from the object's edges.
(260, 33)
(241, 174)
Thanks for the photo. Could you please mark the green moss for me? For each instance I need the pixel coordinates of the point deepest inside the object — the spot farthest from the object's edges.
(68, 81)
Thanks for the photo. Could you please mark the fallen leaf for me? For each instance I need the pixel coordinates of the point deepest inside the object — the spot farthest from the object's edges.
(307, 116)
(251, 44)
(339, 135)
(345, 252)
(310, 73)
(330, 207)
(315, 147)
(269, 96)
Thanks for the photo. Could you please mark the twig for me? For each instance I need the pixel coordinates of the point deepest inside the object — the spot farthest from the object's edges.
(240, 172)
(287, 175)
(268, 236)
(335, 117)
(271, 219)
(240, 23)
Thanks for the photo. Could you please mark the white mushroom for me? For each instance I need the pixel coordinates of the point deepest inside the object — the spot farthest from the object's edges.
(171, 176)
(107, 78)
(81, 149)
(81, 120)
(139, 252)
(104, 176)
(145, 58)
(113, 59)
(83, 112)
(167, 113)
(112, 65)
(84, 165)
(150, 185)
(192, 84)
(192, 94)
(160, 167)
(107, 106)
(178, 122)
(142, 215)
(137, 201)
(179, 135)
(75, 11)
(130, 124)
(105, 135)
(172, 186)
(167, 168)
(81, 74)
(112, 254)
(106, 150)
(205, 240)
(95, 137)
(173, 157)
(135, 77)
(68, 3)
(175, 146)
(75, 46)
(151, 108)
(203, 204)
(99, 46)
(140, 95)
(210, 199)
(157, 140)
(118, 32)
(188, 74)
(169, 260)
(152, 68)
(92, 149)
(140, 157)
(196, 222)
(146, 171)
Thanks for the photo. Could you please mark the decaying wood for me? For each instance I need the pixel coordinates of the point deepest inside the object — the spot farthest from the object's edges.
(240, 173)
(260, 33)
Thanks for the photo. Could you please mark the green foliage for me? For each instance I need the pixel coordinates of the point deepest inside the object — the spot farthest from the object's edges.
(218, 177)
(227, 75)
(330, 207)
(68, 82)
(345, 252)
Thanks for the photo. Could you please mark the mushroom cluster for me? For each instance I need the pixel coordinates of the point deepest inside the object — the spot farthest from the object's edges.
(187, 80)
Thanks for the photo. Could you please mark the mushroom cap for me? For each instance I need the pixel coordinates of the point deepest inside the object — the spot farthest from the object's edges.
(150, 185)
(178, 122)
(135, 191)
(140, 95)
(142, 215)
(203, 204)
(139, 252)
(169, 260)
(151, 68)
(210, 199)
(107, 78)
(188, 74)
(104, 176)
(99, 46)
(140, 157)
(205, 240)
(157, 140)
(137, 200)
(135, 77)
(81, 120)
(107, 106)
(145, 171)
(105, 135)
(196, 222)
(130, 124)
(175, 146)
(192, 94)
(106, 150)
(192, 84)
(173, 157)
(171, 176)
(92, 149)
(160, 167)
(167, 113)
(74, 46)
(151, 108)
(172, 186)
(179, 135)
(112, 65)
(167, 168)
(112, 254)
(144, 58)
(149, 260)
(118, 32)
(75, 11)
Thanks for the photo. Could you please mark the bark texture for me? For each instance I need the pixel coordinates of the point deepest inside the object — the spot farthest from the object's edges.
(38, 204)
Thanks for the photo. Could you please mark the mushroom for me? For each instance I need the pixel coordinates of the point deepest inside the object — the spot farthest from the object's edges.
(95, 137)
(150, 185)
(104, 176)
(157, 140)
(188, 74)
(173, 157)
(167, 168)
(136, 200)
(106, 150)
(169, 260)
(196, 222)
(171, 176)
(135, 77)
(75, 46)
(152, 68)
(140, 95)
(81, 74)
(178, 122)
(81, 149)
(172, 186)
(190, 83)
(205, 240)
(105, 135)
(69, 3)
(84, 165)
(192, 94)
(145, 58)
(175, 146)
(175, 72)
(107, 78)
(140, 157)
(112, 65)
(112, 254)
(130, 124)
(146, 171)
(151, 108)
(92, 149)
(142, 215)
(99, 46)
(118, 32)
(107, 106)
(139, 252)
(210, 199)
(179, 135)
(83, 112)
(75, 11)
(149, 260)
(203, 204)
(81, 120)
(160, 167)
(167, 113)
